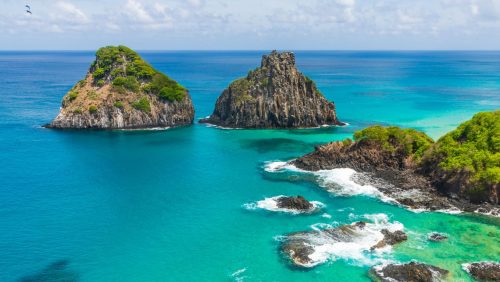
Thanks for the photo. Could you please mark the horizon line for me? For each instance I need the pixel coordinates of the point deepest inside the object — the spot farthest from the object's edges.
(257, 50)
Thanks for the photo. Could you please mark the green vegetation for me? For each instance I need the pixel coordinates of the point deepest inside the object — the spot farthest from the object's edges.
(81, 83)
(127, 70)
(92, 95)
(474, 147)
(410, 142)
(77, 111)
(129, 83)
(72, 95)
(118, 104)
(100, 83)
(142, 104)
(92, 109)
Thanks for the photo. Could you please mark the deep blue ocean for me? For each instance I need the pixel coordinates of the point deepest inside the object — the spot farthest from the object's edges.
(176, 205)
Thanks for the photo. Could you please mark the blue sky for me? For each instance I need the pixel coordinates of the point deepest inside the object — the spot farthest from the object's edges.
(247, 25)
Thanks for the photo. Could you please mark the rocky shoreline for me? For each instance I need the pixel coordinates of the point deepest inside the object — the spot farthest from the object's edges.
(393, 173)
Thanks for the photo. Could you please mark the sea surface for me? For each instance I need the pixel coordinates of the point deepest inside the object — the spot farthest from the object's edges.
(182, 204)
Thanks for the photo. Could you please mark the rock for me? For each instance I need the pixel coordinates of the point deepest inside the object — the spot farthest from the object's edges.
(275, 95)
(310, 248)
(483, 271)
(436, 237)
(390, 238)
(122, 91)
(392, 159)
(298, 203)
(408, 272)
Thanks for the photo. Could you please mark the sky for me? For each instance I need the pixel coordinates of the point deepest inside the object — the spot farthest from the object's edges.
(251, 25)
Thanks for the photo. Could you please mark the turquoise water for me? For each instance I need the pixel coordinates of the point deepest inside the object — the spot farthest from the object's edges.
(168, 205)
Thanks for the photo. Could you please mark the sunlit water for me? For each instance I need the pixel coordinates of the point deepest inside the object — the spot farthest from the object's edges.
(170, 205)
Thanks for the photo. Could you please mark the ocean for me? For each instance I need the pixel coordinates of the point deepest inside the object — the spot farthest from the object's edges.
(183, 204)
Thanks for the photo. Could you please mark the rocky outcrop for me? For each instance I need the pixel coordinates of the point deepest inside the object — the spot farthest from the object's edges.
(275, 95)
(436, 237)
(409, 272)
(298, 203)
(122, 91)
(300, 247)
(390, 238)
(483, 271)
(392, 160)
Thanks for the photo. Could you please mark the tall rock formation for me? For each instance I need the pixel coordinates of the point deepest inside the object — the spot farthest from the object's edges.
(275, 95)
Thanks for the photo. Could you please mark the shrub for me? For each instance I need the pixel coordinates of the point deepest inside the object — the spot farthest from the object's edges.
(98, 73)
(142, 104)
(92, 109)
(392, 138)
(92, 95)
(118, 104)
(172, 94)
(81, 83)
(77, 111)
(474, 147)
(129, 83)
(100, 83)
(72, 95)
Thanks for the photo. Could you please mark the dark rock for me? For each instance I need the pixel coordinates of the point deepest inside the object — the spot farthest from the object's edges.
(275, 95)
(484, 271)
(294, 203)
(390, 238)
(437, 237)
(409, 272)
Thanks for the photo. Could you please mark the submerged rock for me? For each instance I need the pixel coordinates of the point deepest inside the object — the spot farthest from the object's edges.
(437, 237)
(122, 91)
(275, 95)
(409, 272)
(298, 203)
(310, 248)
(56, 271)
(483, 271)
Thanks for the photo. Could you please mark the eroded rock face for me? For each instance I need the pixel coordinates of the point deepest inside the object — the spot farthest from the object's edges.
(275, 95)
(121, 91)
(484, 271)
(409, 272)
(298, 203)
(394, 174)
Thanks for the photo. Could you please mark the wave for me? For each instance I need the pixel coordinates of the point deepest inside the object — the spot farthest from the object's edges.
(338, 181)
(356, 248)
(342, 182)
(271, 204)
(237, 273)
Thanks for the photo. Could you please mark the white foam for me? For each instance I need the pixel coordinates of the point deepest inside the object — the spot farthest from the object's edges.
(325, 215)
(357, 250)
(279, 166)
(337, 181)
(271, 204)
(237, 273)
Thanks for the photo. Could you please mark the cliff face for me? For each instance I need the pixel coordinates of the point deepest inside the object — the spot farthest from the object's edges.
(275, 95)
(122, 91)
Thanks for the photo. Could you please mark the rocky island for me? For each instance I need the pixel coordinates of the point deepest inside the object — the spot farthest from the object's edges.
(274, 95)
(459, 171)
(122, 91)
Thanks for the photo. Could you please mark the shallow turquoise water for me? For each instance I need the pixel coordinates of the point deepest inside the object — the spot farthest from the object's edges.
(168, 205)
